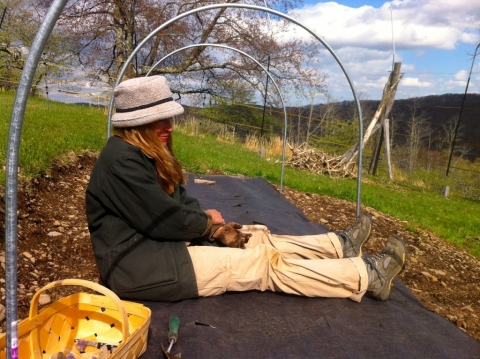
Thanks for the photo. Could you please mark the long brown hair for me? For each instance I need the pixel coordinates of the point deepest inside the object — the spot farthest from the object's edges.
(167, 166)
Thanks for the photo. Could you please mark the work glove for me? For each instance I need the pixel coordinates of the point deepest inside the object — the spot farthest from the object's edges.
(229, 235)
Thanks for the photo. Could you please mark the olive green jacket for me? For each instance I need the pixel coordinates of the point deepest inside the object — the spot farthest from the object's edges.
(138, 231)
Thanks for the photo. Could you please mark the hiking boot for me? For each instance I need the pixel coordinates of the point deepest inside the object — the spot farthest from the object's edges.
(354, 237)
(385, 266)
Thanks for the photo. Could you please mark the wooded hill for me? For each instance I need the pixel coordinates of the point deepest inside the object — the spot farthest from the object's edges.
(438, 115)
(432, 118)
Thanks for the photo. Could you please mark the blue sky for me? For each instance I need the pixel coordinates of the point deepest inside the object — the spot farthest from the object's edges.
(434, 40)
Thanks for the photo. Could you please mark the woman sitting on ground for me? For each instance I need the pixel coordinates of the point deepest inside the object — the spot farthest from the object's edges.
(154, 242)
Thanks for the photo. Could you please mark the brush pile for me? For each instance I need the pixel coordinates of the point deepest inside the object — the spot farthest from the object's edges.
(305, 158)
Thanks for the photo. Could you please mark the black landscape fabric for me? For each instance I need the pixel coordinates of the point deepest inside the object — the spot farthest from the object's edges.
(275, 325)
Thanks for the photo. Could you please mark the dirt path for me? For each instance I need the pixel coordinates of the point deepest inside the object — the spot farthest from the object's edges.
(54, 244)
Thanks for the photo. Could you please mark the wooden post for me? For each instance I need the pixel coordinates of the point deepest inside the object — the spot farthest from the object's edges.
(298, 124)
(386, 129)
(310, 119)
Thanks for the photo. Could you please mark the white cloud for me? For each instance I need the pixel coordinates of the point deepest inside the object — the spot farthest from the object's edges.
(368, 69)
(414, 82)
(459, 79)
(437, 24)
(461, 75)
(469, 37)
(475, 81)
(406, 68)
(423, 30)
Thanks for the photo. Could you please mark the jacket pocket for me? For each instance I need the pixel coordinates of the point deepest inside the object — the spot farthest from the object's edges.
(141, 263)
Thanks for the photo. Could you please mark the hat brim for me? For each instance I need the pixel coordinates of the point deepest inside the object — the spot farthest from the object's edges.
(146, 116)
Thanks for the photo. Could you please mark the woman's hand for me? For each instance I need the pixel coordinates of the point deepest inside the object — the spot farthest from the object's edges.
(216, 216)
(230, 235)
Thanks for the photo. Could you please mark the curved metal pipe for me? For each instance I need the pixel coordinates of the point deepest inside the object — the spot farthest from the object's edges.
(13, 146)
(260, 8)
(284, 149)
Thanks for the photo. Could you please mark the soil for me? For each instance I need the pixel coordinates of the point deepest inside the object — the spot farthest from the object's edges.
(54, 243)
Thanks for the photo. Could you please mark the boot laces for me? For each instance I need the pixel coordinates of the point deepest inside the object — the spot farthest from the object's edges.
(374, 264)
(346, 240)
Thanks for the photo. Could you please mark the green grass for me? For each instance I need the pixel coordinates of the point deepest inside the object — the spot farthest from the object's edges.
(64, 128)
(454, 219)
(49, 130)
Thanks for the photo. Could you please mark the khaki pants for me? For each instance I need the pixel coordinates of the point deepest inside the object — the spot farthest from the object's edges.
(310, 265)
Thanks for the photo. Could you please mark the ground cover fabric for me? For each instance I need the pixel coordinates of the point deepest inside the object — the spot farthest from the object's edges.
(275, 325)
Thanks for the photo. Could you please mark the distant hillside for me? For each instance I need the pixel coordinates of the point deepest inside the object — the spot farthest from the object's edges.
(440, 109)
(437, 112)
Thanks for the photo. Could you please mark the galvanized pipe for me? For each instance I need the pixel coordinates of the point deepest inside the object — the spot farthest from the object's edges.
(264, 69)
(13, 146)
(260, 8)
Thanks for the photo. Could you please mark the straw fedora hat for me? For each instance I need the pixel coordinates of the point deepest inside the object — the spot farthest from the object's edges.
(143, 100)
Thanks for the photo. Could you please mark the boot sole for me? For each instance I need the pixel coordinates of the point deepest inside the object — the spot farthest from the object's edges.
(385, 293)
(405, 254)
(360, 253)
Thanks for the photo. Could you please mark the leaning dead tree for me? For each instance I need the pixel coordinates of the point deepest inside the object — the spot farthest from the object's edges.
(307, 158)
(383, 110)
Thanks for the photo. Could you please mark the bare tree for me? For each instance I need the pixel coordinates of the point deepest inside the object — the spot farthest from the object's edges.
(318, 115)
(328, 113)
(448, 133)
(107, 32)
(461, 151)
(21, 19)
(309, 121)
(417, 132)
(299, 126)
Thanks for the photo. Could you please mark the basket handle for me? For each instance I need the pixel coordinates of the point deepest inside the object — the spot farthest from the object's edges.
(91, 285)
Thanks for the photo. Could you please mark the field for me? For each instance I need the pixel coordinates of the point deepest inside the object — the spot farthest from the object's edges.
(59, 145)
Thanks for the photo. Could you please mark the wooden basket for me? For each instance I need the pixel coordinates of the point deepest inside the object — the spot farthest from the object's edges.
(101, 319)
